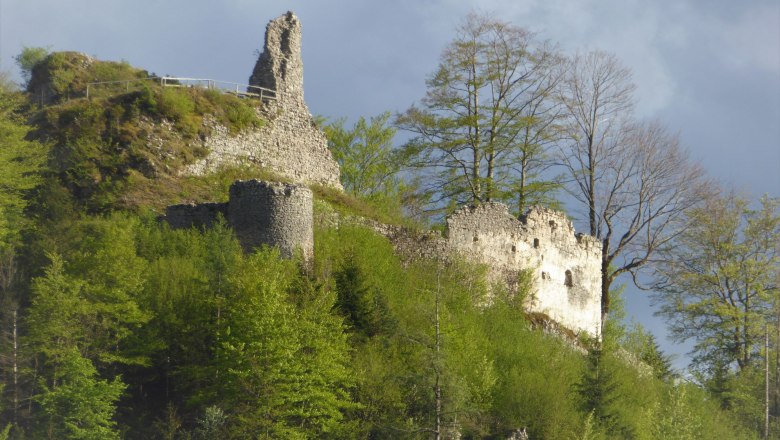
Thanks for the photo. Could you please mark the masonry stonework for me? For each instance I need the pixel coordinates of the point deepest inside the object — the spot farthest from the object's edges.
(260, 213)
(565, 266)
(275, 214)
(290, 143)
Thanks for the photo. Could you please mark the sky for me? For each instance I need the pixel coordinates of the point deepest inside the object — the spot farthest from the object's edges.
(708, 69)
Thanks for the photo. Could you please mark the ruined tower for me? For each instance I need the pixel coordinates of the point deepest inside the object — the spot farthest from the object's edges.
(261, 213)
(280, 66)
(273, 214)
(290, 143)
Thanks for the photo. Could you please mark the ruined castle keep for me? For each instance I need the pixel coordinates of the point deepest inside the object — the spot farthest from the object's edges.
(290, 144)
(564, 267)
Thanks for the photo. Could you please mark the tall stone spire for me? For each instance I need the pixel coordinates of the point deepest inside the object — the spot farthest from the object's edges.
(280, 66)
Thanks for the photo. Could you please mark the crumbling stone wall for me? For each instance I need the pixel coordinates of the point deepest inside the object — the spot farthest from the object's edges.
(261, 213)
(566, 267)
(290, 143)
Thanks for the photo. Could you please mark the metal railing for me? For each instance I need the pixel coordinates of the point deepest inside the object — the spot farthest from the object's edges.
(225, 86)
(240, 90)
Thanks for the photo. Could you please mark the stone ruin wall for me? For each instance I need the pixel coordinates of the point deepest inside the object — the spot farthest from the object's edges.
(565, 267)
(290, 144)
(261, 213)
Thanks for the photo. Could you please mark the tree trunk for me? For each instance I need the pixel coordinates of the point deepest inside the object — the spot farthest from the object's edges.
(766, 382)
(591, 188)
(437, 348)
(605, 284)
(15, 367)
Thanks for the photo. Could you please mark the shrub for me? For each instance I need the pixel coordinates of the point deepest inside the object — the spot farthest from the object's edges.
(175, 104)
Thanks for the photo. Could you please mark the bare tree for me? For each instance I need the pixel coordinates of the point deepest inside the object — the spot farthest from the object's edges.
(634, 179)
(487, 98)
(597, 93)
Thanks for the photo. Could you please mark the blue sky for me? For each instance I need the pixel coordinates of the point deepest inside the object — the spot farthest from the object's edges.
(708, 69)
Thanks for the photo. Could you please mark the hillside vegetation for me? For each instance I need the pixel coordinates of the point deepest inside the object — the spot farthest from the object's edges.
(115, 326)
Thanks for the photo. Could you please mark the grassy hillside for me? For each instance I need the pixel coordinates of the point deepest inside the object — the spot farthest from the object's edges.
(106, 148)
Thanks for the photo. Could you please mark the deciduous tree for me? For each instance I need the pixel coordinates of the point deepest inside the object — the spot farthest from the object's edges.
(365, 155)
(716, 285)
(633, 179)
(483, 125)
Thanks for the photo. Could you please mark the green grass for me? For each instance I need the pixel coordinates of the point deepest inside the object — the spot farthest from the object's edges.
(346, 204)
(109, 144)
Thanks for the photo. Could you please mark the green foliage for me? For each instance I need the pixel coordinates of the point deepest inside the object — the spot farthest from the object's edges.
(642, 345)
(677, 421)
(175, 104)
(78, 405)
(61, 76)
(536, 376)
(717, 285)
(285, 369)
(345, 204)
(210, 425)
(21, 164)
(488, 118)
(28, 58)
(365, 155)
(105, 147)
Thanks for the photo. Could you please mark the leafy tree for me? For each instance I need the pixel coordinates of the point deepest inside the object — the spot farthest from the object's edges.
(717, 284)
(285, 369)
(364, 308)
(21, 162)
(599, 388)
(77, 404)
(365, 155)
(487, 115)
(28, 58)
(643, 345)
(211, 424)
(675, 420)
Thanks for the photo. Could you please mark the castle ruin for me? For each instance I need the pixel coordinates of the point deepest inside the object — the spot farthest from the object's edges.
(565, 268)
(290, 143)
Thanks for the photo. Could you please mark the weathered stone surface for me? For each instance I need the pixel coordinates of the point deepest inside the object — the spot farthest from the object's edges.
(290, 143)
(566, 266)
(274, 214)
(280, 66)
